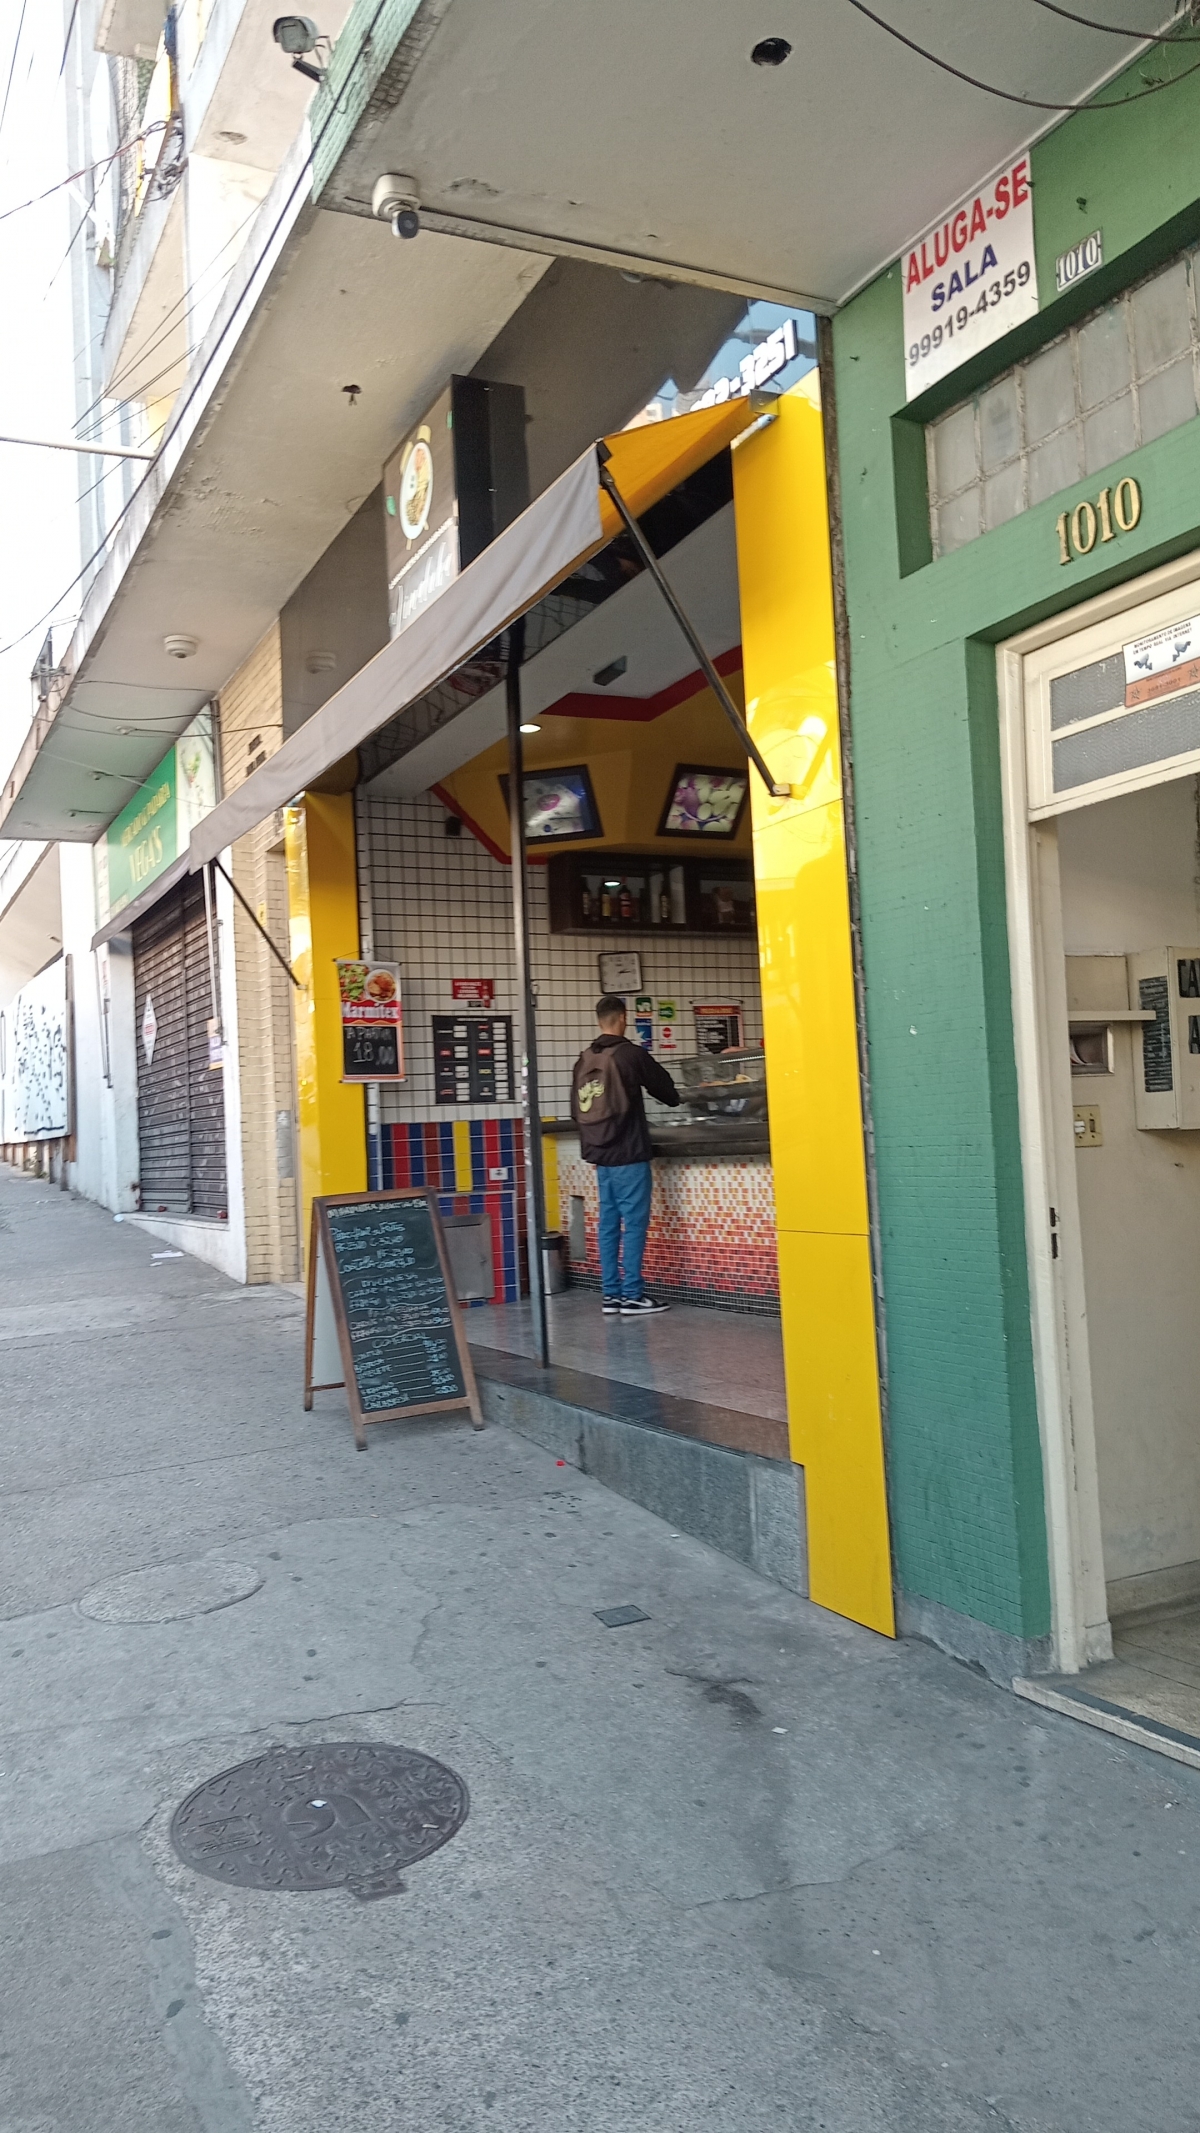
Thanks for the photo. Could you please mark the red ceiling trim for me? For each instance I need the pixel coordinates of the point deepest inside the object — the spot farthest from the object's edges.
(641, 709)
(455, 807)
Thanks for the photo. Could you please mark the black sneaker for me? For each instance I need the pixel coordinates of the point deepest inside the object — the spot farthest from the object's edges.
(642, 1307)
(611, 1306)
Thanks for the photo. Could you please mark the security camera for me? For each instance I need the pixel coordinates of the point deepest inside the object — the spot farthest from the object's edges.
(295, 33)
(397, 200)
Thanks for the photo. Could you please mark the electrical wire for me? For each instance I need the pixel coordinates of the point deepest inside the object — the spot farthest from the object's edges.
(177, 414)
(103, 170)
(1114, 29)
(1010, 96)
(75, 175)
(158, 334)
(12, 65)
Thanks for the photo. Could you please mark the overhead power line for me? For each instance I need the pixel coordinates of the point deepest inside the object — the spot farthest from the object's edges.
(1115, 29)
(1011, 96)
(12, 65)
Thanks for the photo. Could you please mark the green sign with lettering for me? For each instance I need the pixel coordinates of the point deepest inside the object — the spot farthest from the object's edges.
(142, 840)
(151, 832)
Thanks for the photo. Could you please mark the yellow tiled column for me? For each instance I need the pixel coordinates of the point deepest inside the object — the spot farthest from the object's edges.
(323, 925)
(809, 1011)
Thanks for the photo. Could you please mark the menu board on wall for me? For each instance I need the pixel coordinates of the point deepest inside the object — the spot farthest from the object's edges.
(378, 1267)
(472, 1059)
(718, 1026)
(372, 1021)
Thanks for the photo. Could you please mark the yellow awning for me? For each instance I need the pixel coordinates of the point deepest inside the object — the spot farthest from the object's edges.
(647, 463)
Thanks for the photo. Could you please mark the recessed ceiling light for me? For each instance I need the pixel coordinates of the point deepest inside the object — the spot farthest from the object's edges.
(771, 52)
(531, 729)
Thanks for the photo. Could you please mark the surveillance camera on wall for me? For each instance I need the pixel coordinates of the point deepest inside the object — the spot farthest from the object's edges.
(295, 33)
(397, 200)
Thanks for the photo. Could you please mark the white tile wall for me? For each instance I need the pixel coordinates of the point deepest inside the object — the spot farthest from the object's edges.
(442, 908)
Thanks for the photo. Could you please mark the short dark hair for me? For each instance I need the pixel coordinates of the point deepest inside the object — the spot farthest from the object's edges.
(609, 1007)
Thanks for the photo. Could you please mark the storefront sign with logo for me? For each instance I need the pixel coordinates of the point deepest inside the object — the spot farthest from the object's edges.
(372, 1021)
(477, 992)
(457, 479)
(421, 521)
(970, 278)
(150, 833)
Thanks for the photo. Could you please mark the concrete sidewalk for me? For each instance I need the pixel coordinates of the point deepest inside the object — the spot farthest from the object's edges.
(740, 1866)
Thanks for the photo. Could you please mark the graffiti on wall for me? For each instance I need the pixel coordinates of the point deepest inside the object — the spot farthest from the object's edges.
(34, 1065)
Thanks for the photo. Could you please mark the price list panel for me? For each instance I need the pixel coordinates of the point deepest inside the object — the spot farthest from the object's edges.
(472, 1059)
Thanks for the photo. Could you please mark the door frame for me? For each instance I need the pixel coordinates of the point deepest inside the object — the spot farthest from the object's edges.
(1054, 1246)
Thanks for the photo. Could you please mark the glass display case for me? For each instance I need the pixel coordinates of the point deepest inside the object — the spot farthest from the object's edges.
(733, 1086)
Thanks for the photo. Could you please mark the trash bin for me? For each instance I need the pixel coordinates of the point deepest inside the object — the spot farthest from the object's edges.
(554, 1262)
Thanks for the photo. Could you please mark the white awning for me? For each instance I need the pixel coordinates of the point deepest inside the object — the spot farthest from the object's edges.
(565, 525)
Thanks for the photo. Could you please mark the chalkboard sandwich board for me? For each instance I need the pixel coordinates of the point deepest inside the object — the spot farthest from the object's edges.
(381, 1298)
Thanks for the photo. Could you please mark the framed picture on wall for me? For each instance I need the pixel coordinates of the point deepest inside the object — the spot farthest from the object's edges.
(559, 804)
(704, 800)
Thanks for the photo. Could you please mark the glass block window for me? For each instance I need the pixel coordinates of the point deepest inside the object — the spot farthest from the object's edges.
(1119, 379)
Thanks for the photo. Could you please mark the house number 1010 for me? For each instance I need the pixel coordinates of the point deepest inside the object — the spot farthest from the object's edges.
(1114, 511)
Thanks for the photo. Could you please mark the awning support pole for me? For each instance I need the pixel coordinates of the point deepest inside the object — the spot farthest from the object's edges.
(282, 960)
(212, 952)
(711, 676)
(535, 1181)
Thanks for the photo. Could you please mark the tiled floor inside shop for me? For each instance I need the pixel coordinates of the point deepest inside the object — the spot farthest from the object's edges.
(718, 1357)
(1151, 1683)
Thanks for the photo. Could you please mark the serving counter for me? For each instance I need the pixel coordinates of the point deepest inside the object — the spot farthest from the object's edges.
(712, 1215)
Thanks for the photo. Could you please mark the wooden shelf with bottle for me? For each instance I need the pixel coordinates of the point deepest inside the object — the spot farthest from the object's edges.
(618, 893)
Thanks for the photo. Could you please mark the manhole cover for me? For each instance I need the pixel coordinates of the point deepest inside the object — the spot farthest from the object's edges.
(340, 1814)
(170, 1592)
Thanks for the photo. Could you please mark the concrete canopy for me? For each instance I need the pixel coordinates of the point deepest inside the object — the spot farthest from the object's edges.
(283, 460)
(646, 136)
(546, 127)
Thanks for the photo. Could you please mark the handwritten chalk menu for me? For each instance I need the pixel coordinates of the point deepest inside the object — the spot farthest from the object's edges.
(378, 1268)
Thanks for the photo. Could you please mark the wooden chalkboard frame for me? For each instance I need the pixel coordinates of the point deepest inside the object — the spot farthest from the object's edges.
(321, 1240)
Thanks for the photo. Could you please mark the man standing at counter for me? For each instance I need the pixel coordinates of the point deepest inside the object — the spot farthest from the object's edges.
(607, 1107)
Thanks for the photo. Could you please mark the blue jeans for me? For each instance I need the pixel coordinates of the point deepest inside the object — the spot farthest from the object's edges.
(624, 1205)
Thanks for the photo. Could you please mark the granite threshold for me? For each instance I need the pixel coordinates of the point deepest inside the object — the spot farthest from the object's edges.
(713, 1472)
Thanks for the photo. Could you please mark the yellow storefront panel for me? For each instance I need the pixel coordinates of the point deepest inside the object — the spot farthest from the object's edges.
(834, 1421)
(809, 1016)
(808, 1013)
(323, 927)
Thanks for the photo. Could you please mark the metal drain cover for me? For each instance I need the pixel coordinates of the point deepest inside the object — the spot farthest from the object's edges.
(335, 1814)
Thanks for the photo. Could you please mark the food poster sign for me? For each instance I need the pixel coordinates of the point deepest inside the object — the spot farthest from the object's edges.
(970, 278)
(372, 1021)
(420, 504)
(150, 834)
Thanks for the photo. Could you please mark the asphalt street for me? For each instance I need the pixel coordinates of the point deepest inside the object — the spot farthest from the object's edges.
(739, 1866)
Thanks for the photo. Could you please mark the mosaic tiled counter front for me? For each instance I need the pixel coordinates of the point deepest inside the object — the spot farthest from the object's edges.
(712, 1228)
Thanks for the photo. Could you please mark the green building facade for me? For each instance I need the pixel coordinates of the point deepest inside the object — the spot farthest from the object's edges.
(928, 602)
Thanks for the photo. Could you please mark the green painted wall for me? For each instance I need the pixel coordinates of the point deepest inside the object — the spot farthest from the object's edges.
(964, 1453)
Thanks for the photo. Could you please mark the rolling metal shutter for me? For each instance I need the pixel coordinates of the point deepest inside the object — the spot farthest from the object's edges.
(181, 1099)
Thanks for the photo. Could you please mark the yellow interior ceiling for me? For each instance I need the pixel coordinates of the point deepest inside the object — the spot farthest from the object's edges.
(631, 765)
